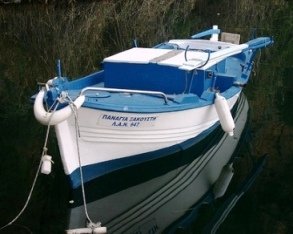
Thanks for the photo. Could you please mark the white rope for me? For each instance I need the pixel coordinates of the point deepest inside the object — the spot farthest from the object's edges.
(62, 99)
(91, 224)
(45, 149)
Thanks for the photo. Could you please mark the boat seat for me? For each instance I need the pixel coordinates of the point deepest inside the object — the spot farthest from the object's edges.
(230, 37)
(224, 81)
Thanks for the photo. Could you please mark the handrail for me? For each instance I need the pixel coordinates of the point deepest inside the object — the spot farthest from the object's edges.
(208, 59)
(125, 91)
(214, 31)
(185, 53)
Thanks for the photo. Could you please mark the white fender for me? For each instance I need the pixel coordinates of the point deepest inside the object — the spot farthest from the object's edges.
(224, 113)
(46, 164)
(56, 117)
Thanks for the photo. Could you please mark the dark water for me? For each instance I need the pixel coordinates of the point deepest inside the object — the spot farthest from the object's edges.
(266, 208)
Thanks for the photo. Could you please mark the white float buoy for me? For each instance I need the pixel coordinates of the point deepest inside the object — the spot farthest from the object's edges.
(223, 181)
(100, 230)
(97, 230)
(224, 114)
(80, 231)
(46, 164)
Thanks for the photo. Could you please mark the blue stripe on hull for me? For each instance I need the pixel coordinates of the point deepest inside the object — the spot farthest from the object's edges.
(93, 171)
(155, 164)
(132, 175)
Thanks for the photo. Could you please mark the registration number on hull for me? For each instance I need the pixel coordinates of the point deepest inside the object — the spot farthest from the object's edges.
(127, 121)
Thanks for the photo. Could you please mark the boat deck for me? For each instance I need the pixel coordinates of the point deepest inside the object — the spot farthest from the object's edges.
(186, 54)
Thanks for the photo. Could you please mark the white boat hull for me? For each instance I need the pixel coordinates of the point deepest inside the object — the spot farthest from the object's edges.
(105, 136)
(159, 202)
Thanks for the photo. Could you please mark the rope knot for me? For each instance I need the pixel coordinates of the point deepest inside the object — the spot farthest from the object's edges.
(45, 149)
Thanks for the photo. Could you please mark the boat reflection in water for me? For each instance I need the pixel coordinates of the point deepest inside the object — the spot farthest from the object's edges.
(147, 137)
(158, 199)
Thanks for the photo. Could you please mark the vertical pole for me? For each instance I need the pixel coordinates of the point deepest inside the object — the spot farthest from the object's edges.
(215, 36)
(58, 68)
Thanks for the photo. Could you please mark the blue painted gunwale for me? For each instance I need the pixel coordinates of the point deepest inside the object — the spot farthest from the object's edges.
(139, 103)
(199, 93)
(227, 77)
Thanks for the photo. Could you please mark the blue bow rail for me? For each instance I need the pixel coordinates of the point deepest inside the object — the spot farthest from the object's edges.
(260, 42)
(206, 33)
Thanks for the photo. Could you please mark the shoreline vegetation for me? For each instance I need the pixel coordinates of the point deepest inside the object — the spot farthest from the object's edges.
(34, 34)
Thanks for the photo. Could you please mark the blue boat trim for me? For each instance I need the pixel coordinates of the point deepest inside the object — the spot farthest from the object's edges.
(206, 33)
(185, 89)
(91, 172)
(132, 175)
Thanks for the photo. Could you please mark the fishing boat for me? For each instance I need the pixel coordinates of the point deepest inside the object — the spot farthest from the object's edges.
(146, 113)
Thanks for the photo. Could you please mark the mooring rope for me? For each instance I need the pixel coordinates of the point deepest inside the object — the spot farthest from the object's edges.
(62, 99)
(91, 224)
(45, 149)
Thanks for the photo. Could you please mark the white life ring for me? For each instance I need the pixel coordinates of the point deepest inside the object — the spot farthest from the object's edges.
(56, 117)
